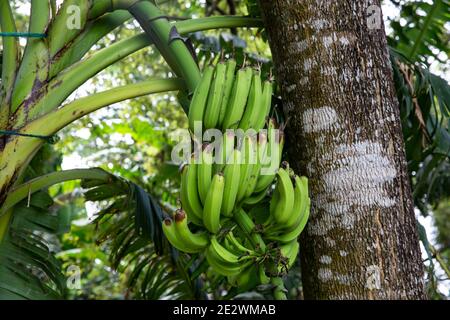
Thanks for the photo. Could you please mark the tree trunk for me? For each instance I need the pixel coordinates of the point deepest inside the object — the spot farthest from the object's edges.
(344, 133)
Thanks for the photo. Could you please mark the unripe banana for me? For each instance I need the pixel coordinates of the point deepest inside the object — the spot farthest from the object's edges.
(196, 241)
(266, 103)
(238, 99)
(253, 108)
(290, 251)
(256, 170)
(222, 267)
(213, 203)
(271, 157)
(285, 203)
(248, 162)
(237, 244)
(227, 244)
(248, 226)
(213, 106)
(225, 255)
(246, 280)
(232, 178)
(189, 198)
(294, 233)
(228, 87)
(204, 172)
(263, 278)
(255, 198)
(169, 231)
(200, 97)
(225, 150)
(300, 202)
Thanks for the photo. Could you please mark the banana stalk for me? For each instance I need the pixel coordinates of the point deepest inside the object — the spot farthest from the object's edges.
(13, 157)
(64, 27)
(94, 31)
(32, 69)
(70, 79)
(22, 191)
(10, 59)
(173, 49)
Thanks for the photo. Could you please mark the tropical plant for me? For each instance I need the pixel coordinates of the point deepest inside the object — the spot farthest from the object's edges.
(38, 80)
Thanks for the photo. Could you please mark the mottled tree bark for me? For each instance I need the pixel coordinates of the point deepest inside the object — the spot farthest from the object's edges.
(344, 133)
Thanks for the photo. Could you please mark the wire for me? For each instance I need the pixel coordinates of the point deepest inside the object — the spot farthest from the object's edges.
(23, 35)
(49, 139)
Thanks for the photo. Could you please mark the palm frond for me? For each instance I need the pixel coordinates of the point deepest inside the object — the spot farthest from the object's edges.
(28, 268)
(420, 31)
(131, 224)
(425, 107)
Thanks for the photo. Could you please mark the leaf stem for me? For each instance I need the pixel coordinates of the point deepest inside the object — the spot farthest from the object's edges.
(436, 4)
(19, 150)
(10, 59)
(22, 191)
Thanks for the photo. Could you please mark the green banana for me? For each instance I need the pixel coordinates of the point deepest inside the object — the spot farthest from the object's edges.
(256, 198)
(190, 189)
(200, 97)
(196, 241)
(238, 99)
(227, 243)
(248, 162)
(213, 203)
(238, 245)
(213, 106)
(204, 172)
(225, 150)
(189, 198)
(226, 255)
(248, 226)
(253, 108)
(232, 178)
(266, 103)
(228, 86)
(224, 261)
(271, 156)
(293, 234)
(246, 280)
(222, 267)
(284, 205)
(171, 234)
(263, 278)
(256, 170)
(290, 251)
(300, 202)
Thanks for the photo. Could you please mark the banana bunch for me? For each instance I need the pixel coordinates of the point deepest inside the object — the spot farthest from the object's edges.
(249, 211)
(211, 191)
(289, 207)
(226, 98)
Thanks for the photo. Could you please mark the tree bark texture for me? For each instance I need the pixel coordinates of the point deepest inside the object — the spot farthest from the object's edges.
(344, 133)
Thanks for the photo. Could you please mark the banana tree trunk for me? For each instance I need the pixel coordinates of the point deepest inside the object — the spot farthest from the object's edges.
(344, 132)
